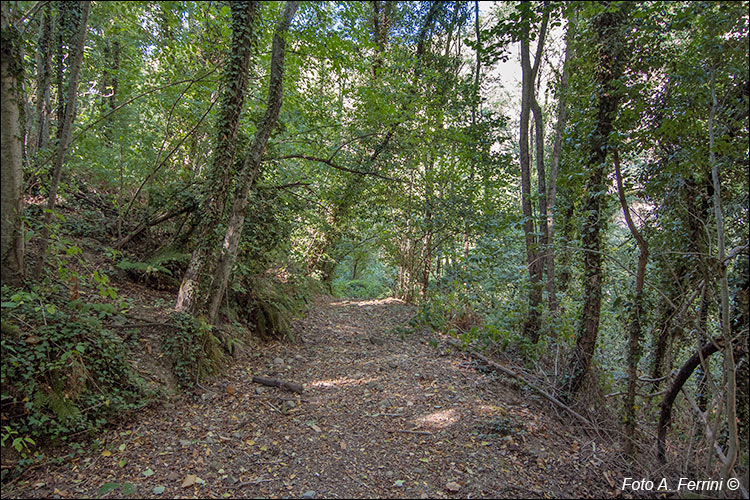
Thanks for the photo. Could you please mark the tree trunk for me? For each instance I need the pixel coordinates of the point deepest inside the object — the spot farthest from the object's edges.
(217, 191)
(608, 27)
(63, 131)
(729, 364)
(475, 105)
(40, 136)
(554, 165)
(634, 344)
(11, 208)
(252, 163)
(665, 416)
(427, 245)
(541, 254)
(380, 26)
(531, 324)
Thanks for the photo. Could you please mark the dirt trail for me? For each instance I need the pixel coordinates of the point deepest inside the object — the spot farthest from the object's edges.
(382, 415)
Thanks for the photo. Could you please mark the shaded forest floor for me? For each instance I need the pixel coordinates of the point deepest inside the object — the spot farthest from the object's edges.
(383, 414)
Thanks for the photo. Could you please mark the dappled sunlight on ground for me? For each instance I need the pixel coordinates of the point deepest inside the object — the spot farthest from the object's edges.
(340, 382)
(366, 302)
(439, 419)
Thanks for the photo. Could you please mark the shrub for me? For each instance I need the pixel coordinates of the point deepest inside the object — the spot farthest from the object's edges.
(62, 371)
(194, 350)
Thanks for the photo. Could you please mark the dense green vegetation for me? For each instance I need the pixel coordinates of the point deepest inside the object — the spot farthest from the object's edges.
(589, 221)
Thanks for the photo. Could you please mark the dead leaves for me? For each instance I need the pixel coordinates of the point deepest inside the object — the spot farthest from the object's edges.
(453, 487)
(314, 427)
(239, 442)
(192, 480)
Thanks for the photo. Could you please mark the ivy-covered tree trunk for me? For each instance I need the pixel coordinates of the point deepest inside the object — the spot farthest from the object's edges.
(67, 111)
(608, 27)
(554, 165)
(11, 203)
(252, 163)
(634, 329)
(218, 184)
(381, 20)
(40, 133)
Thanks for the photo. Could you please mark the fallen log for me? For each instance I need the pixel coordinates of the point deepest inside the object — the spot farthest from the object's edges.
(273, 382)
(155, 221)
(665, 416)
(508, 371)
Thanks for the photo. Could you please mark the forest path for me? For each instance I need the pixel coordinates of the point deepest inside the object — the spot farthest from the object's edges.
(382, 415)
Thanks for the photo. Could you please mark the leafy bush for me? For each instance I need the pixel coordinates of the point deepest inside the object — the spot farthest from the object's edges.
(157, 271)
(63, 372)
(269, 304)
(194, 350)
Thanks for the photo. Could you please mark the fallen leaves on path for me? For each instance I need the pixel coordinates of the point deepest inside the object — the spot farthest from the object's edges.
(382, 415)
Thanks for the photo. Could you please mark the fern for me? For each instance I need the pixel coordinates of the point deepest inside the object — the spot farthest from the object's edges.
(156, 264)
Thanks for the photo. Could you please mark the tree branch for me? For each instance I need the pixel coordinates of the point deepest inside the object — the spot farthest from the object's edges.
(331, 164)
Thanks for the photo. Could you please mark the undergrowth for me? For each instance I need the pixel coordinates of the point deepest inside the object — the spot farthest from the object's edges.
(452, 314)
(194, 350)
(267, 303)
(160, 271)
(63, 372)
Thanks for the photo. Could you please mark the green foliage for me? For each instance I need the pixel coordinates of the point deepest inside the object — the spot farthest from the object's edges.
(436, 189)
(159, 271)
(160, 263)
(63, 371)
(21, 444)
(359, 289)
(362, 275)
(194, 350)
(268, 305)
(127, 489)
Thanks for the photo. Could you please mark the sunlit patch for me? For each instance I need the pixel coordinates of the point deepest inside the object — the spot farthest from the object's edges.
(34, 200)
(491, 410)
(439, 419)
(340, 382)
(372, 302)
(388, 300)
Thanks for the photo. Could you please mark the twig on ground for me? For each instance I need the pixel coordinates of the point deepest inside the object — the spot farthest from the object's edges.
(515, 375)
(273, 407)
(405, 431)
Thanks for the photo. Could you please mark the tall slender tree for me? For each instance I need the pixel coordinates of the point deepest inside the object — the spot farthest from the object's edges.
(217, 193)
(636, 311)
(534, 260)
(555, 164)
(609, 31)
(11, 71)
(252, 163)
(67, 108)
